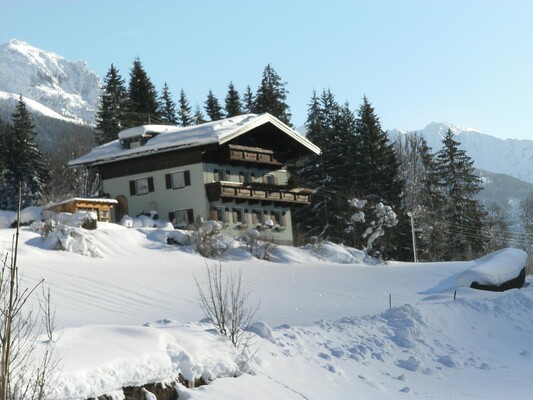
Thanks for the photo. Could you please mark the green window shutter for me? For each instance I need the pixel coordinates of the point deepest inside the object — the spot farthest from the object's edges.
(150, 184)
(171, 216)
(187, 178)
(168, 181)
(190, 216)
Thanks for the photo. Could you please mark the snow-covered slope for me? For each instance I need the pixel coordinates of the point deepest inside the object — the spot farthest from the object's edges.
(129, 316)
(67, 88)
(513, 157)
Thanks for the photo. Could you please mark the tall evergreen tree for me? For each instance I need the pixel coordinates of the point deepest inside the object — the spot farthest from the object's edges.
(377, 177)
(23, 163)
(271, 96)
(233, 102)
(213, 108)
(168, 107)
(377, 164)
(461, 215)
(248, 100)
(113, 105)
(313, 171)
(185, 117)
(143, 104)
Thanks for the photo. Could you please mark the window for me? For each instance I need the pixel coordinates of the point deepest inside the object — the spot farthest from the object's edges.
(181, 218)
(258, 217)
(141, 186)
(277, 218)
(246, 177)
(239, 216)
(270, 179)
(219, 214)
(103, 215)
(178, 180)
(221, 175)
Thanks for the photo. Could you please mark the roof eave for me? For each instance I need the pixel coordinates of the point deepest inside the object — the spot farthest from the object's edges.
(264, 118)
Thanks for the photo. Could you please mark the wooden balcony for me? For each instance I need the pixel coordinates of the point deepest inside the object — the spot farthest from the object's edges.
(254, 193)
(255, 155)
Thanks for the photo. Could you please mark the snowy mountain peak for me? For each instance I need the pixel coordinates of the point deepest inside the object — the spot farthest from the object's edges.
(440, 129)
(68, 88)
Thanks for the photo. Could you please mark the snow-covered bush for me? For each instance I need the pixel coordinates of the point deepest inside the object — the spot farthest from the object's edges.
(336, 253)
(8, 219)
(126, 221)
(80, 219)
(73, 240)
(260, 249)
(208, 239)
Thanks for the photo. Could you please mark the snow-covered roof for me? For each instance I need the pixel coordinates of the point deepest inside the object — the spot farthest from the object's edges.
(169, 138)
(82, 200)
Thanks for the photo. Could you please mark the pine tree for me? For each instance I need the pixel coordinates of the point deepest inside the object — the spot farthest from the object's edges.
(271, 96)
(213, 108)
(248, 101)
(185, 117)
(168, 107)
(113, 105)
(377, 177)
(143, 104)
(313, 172)
(23, 163)
(198, 116)
(233, 102)
(460, 215)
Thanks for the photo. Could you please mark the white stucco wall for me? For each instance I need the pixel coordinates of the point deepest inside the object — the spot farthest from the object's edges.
(161, 199)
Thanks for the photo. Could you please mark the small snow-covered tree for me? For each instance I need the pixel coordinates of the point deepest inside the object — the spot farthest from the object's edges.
(377, 217)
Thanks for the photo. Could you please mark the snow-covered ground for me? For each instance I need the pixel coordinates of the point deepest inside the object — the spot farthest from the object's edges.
(131, 316)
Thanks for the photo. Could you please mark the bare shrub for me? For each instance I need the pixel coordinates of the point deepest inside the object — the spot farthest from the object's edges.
(23, 373)
(224, 303)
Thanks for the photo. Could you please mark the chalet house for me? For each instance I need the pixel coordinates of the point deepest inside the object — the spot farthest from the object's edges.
(233, 170)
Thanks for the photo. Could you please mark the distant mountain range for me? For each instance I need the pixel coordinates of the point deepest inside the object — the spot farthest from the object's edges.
(513, 157)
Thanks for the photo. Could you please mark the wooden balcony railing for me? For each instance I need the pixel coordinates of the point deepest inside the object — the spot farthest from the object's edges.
(228, 191)
(255, 155)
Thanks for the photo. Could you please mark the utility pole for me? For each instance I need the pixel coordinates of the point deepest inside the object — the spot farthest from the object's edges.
(411, 214)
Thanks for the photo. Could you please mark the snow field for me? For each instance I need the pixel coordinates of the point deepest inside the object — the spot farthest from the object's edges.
(128, 318)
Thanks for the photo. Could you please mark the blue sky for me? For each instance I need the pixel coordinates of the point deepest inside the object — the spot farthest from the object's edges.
(469, 62)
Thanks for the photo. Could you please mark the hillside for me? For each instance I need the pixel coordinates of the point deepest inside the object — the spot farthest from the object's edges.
(59, 87)
(129, 316)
